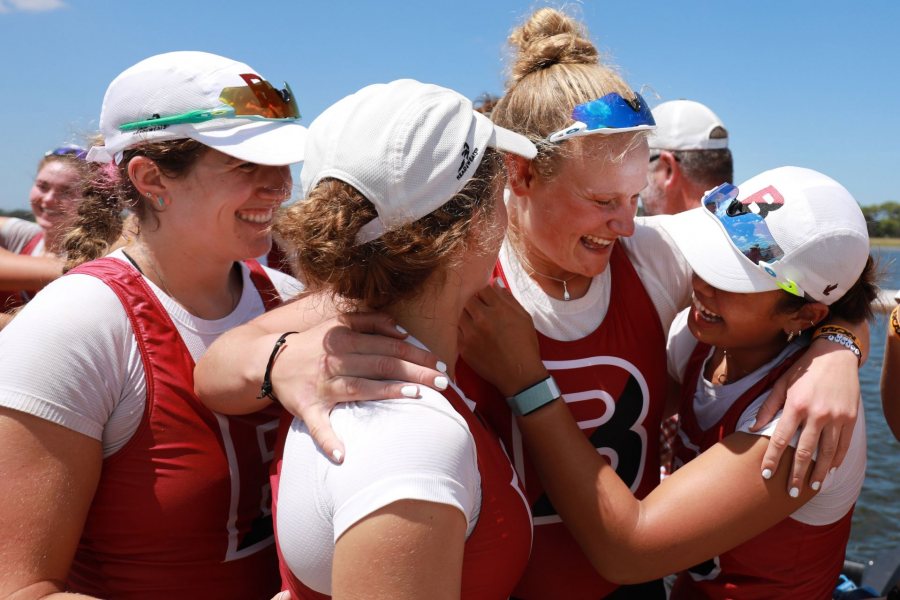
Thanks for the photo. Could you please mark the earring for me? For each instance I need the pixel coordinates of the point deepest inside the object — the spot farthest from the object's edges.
(791, 335)
(161, 201)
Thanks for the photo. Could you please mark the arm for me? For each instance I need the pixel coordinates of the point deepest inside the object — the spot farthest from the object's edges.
(408, 549)
(19, 272)
(820, 395)
(48, 475)
(332, 359)
(689, 518)
(890, 374)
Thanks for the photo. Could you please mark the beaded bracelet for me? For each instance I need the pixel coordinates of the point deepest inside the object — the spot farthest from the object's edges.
(895, 320)
(839, 335)
(265, 391)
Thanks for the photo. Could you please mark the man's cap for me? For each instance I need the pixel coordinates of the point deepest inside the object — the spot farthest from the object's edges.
(687, 125)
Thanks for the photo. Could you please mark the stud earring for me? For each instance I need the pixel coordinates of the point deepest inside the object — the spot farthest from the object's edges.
(161, 201)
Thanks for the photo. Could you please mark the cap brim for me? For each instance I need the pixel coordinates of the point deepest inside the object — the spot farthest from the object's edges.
(510, 141)
(263, 142)
(711, 254)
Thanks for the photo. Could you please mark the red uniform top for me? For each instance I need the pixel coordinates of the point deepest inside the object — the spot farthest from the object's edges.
(182, 510)
(614, 382)
(11, 300)
(496, 552)
(790, 559)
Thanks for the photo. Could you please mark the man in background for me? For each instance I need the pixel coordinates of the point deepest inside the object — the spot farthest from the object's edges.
(688, 155)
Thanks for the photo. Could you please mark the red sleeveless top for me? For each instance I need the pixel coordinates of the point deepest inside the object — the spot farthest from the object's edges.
(614, 382)
(181, 511)
(790, 559)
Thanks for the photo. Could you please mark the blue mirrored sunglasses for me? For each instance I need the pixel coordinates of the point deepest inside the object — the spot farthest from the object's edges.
(610, 114)
(747, 231)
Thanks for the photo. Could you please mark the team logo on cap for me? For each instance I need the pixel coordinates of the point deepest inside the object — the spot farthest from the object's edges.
(759, 203)
(468, 156)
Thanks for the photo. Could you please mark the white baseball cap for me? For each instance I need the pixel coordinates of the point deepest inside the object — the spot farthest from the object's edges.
(686, 125)
(176, 83)
(408, 147)
(811, 220)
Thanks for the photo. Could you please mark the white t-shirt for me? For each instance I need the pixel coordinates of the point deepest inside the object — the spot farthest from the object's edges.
(401, 449)
(839, 490)
(662, 269)
(16, 233)
(71, 357)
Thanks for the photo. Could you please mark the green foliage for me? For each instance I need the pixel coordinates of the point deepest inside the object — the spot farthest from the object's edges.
(19, 213)
(883, 219)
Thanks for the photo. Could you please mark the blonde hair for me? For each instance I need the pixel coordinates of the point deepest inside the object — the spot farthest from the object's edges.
(555, 68)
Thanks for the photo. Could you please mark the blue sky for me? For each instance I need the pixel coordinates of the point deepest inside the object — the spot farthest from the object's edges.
(796, 82)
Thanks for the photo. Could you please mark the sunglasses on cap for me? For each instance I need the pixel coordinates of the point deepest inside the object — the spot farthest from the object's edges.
(73, 151)
(257, 100)
(748, 233)
(610, 114)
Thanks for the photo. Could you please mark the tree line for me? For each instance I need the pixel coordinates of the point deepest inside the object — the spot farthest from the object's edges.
(883, 219)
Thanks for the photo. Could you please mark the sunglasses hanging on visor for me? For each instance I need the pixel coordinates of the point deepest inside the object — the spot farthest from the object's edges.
(748, 233)
(258, 100)
(73, 151)
(610, 114)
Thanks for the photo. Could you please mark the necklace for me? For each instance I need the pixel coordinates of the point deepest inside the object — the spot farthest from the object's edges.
(723, 378)
(527, 265)
(165, 288)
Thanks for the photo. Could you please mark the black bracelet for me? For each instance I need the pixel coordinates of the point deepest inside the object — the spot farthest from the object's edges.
(265, 391)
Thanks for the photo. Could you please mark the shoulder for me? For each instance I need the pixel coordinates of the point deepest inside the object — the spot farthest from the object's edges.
(16, 233)
(287, 286)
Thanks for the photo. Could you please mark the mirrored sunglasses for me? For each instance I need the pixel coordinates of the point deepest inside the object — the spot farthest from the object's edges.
(748, 233)
(257, 100)
(74, 151)
(610, 114)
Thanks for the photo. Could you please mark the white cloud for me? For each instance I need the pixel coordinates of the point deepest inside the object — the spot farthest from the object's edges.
(30, 5)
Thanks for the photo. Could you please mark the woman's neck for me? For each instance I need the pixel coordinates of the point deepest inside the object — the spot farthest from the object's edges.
(555, 281)
(206, 288)
(730, 364)
(433, 319)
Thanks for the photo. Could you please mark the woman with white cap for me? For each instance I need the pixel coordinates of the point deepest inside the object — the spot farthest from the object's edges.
(402, 213)
(772, 259)
(125, 485)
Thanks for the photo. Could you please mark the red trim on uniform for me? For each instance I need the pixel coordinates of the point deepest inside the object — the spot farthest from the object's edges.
(14, 299)
(165, 521)
(621, 365)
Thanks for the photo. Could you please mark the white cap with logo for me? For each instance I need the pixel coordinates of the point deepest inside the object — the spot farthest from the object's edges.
(813, 219)
(175, 83)
(408, 147)
(686, 125)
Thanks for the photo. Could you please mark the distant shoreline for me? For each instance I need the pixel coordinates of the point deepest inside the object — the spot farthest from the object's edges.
(885, 242)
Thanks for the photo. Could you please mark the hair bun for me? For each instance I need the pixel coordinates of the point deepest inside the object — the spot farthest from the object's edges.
(547, 38)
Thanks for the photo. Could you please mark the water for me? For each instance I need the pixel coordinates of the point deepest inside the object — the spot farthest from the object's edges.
(876, 522)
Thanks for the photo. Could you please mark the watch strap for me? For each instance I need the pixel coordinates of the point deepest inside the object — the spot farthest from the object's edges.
(532, 398)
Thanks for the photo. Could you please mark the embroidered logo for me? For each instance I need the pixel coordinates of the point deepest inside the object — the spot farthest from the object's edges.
(468, 156)
(829, 289)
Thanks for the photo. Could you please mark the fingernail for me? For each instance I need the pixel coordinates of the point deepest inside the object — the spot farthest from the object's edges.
(832, 470)
(794, 492)
(400, 329)
(441, 366)
(753, 424)
(441, 382)
(410, 391)
(767, 473)
(337, 455)
(816, 485)
(499, 281)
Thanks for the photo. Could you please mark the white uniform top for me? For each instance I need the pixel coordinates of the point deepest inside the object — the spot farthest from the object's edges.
(839, 490)
(16, 233)
(400, 449)
(71, 357)
(660, 266)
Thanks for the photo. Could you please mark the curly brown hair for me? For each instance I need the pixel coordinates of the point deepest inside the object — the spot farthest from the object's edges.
(321, 231)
